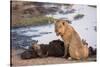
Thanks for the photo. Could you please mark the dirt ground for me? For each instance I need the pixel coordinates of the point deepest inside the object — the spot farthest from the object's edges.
(17, 61)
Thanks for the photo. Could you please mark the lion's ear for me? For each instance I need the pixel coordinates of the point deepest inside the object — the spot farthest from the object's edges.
(55, 20)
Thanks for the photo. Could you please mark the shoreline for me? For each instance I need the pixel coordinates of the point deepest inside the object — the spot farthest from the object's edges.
(28, 26)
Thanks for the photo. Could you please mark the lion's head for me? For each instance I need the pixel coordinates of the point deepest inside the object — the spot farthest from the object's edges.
(61, 26)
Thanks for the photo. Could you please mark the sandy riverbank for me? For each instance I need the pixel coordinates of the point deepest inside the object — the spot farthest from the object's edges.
(17, 61)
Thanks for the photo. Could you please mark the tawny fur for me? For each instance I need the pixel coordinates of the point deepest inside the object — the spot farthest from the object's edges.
(72, 40)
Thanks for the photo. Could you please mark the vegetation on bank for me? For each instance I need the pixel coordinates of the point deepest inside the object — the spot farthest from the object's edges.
(92, 6)
(78, 16)
(34, 21)
(25, 13)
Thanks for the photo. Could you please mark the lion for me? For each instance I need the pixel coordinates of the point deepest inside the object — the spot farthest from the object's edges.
(72, 40)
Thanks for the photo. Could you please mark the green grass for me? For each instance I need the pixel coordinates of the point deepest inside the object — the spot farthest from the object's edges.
(39, 20)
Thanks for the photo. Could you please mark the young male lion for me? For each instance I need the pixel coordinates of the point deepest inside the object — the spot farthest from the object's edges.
(72, 40)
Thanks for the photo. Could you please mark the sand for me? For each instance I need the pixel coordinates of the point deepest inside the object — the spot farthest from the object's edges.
(17, 61)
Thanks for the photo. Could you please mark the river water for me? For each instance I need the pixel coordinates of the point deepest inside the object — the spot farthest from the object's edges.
(85, 26)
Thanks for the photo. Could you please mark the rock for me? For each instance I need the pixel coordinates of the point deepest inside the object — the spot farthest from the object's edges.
(78, 16)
